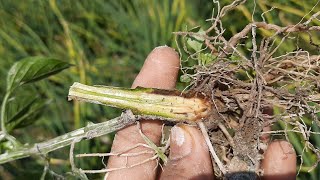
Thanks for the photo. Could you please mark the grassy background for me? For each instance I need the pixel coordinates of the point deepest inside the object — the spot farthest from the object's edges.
(107, 42)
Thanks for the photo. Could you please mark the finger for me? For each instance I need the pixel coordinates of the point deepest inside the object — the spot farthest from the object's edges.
(160, 70)
(189, 155)
(279, 161)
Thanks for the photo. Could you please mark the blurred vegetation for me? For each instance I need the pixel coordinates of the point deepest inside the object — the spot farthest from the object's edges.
(107, 42)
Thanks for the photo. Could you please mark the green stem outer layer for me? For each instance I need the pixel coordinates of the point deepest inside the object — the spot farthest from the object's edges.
(3, 110)
(3, 130)
(167, 104)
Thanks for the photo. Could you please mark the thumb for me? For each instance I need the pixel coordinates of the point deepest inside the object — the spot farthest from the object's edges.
(189, 156)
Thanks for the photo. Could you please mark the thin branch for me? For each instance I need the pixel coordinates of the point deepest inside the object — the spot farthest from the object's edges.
(226, 133)
(211, 149)
(114, 154)
(230, 7)
(71, 155)
(88, 132)
(288, 29)
(312, 17)
(119, 168)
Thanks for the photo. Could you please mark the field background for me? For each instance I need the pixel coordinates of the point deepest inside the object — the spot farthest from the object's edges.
(107, 41)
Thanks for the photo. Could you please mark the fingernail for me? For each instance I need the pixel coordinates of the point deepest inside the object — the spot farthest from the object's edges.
(180, 145)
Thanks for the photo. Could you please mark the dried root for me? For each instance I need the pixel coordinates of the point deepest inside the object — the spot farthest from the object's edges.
(157, 154)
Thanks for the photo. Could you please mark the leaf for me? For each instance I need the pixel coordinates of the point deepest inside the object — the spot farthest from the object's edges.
(206, 58)
(158, 150)
(185, 78)
(23, 111)
(33, 69)
(196, 42)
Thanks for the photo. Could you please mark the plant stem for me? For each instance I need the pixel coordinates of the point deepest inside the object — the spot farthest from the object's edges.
(88, 132)
(4, 133)
(3, 112)
(168, 104)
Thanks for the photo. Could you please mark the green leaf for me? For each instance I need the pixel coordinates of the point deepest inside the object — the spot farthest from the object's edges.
(185, 78)
(196, 42)
(33, 69)
(158, 150)
(23, 111)
(206, 58)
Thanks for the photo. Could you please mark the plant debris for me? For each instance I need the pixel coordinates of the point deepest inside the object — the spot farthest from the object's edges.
(253, 88)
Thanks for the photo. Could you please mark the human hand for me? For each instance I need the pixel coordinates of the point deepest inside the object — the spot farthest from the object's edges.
(189, 156)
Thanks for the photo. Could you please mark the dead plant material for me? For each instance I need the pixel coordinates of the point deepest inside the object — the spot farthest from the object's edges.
(245, 88)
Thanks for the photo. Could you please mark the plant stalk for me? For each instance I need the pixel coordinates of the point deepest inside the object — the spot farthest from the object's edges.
(3, 112)
(88, 132)
(3, 131)
(169, 104)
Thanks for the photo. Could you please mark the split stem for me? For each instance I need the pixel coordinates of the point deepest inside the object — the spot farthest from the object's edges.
(168, 104)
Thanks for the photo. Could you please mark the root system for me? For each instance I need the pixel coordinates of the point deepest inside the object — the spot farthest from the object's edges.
(254, 89)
